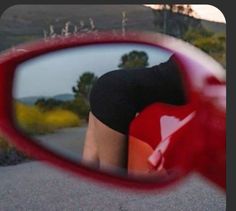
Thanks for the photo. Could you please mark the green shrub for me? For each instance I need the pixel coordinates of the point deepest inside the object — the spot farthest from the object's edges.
(212, 43)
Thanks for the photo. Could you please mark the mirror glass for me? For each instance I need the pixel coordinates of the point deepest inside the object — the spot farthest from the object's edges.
(51, 92)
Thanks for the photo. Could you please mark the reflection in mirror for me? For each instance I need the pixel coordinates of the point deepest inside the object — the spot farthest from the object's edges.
(51, 95)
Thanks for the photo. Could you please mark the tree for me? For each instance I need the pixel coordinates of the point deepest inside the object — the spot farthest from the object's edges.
(211, 43)
(169, 18)
(134, 59)
(79, 106)
(194, 34)
(48, 104)
(84, 85)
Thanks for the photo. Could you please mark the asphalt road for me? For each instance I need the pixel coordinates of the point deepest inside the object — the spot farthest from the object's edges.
(68, 142)
(36, 186)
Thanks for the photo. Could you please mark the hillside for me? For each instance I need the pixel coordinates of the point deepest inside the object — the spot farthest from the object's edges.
(31, 100)
(23, 23)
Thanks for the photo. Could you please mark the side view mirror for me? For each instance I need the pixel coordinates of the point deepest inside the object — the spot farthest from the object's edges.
(44, 107)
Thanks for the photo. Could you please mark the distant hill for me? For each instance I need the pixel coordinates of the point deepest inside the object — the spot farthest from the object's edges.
(22, 23)
(31, 100)
(214, 26)
(64, 97)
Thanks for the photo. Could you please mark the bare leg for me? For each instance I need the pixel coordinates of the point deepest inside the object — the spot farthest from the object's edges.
(112, 146)
(90, 153)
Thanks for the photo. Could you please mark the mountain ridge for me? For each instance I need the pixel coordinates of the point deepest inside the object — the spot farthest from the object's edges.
(32, 99)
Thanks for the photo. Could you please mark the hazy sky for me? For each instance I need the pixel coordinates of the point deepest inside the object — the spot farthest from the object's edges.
(57, 72)
(204, 11)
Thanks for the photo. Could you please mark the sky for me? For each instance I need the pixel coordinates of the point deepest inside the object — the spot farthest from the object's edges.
(56, 73)
(204, 11)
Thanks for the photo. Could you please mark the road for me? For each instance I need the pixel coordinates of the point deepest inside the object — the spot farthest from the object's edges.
(36, 186)
(68, 142)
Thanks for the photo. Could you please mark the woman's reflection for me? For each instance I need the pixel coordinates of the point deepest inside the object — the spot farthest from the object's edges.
(116, 98)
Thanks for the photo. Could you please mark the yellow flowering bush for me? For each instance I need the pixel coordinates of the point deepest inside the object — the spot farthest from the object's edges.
(60, 118)
(34, 121)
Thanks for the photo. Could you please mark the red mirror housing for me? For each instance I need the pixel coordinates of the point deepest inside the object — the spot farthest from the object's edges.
(201, 140)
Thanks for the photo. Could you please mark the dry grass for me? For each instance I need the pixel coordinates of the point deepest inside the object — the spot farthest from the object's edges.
(4, 145)
(80, 29)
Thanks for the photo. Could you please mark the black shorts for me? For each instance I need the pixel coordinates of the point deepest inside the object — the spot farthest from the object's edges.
(119, 95)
